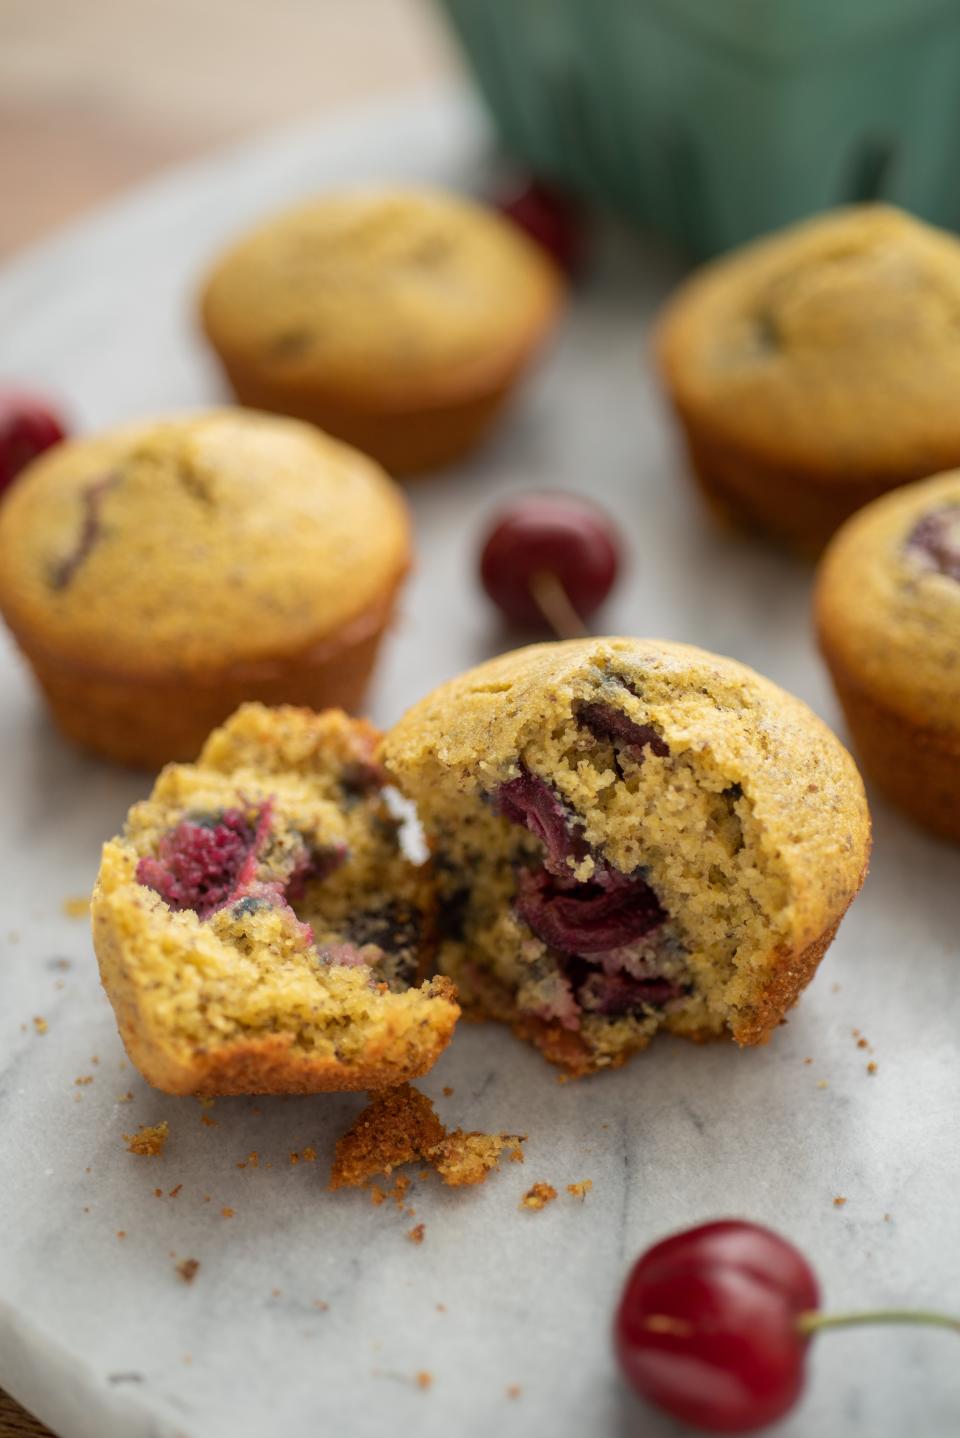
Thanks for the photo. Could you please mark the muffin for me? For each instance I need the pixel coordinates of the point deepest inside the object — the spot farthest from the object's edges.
(888, 618)
(257, 925)
(157, 575)
(630, 836)
(399, 319)
(815, 370)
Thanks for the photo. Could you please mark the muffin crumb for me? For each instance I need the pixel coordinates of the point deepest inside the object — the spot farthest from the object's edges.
(580, 1190)
(514, 1390)
(400, 1126)
(424, 1380)
(538, 1196)
(871, 1068)
(188, 1269)
(839, 1201)
(77, 906)
(148, 1141)
(40, 1024)
(416, 1234)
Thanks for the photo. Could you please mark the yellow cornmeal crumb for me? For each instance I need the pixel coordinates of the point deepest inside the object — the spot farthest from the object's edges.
(752, 831)
(246, 1000)
(150, 1140)
(77, 908)
(580, 1190)
(538, 1196)
(40, 1024)
(400, 1126)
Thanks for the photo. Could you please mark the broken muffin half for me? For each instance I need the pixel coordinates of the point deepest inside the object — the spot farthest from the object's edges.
(630, 836)
(258, 925)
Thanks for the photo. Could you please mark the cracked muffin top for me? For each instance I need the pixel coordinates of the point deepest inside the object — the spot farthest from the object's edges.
(389, 288)
(888, 602)
(218, 538)
(833, 346)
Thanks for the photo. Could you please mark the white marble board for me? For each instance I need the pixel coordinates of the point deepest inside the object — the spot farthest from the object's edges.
(98, 1335)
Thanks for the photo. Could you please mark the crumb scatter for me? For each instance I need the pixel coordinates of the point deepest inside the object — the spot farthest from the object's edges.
(538, 1196)
(148, 1141)
(400, 1126)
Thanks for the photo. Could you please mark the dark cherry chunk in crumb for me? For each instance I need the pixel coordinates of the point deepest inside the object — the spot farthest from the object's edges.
(613, 995)
(200, 864)
(587, 918)
(604, 721)
(529, 800)
(937, 537)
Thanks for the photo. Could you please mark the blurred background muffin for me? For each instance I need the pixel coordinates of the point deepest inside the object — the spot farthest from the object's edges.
(396, 318)
(888, 617)
(815, 370)
(157, 575)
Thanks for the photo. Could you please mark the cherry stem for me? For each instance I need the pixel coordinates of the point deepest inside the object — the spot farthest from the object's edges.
(554, 604)
(810, 1323)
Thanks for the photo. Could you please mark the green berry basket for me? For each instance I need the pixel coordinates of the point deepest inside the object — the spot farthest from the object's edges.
(714, 120)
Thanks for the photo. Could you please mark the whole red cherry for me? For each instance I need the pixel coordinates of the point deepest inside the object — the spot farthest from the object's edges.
(551, 218)
(549, 560)
(714, 1325)
(707, 1326)
(28, 426)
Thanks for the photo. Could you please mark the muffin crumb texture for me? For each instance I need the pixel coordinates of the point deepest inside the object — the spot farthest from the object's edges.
(400, 1126)
(627, 837)
(258, 926)
(538, 1197)
(148, 1141)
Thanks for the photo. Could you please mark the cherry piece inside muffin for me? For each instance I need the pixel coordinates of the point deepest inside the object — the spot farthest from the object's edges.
(258, 925)
(630, 837)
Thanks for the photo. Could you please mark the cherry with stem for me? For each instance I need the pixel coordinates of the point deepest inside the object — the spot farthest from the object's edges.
(714, 1325)
(549, 560)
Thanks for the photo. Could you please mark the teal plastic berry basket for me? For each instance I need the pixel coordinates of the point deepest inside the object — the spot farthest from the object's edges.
(714, 120)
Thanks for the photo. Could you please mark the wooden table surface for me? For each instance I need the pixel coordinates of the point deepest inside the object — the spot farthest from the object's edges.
(97, 95)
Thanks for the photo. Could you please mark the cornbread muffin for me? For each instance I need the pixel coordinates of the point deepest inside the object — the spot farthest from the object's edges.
(817, 369)
(888, 617)
(157, 575)
(257, 925)
(397, 318)
(630, 836)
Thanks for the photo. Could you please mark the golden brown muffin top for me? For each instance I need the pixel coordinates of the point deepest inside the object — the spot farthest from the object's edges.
(196, 542)
(833, 346)
(888, 601)
(805, 791)
(392, 289)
